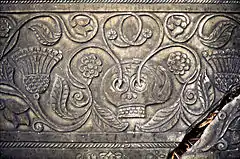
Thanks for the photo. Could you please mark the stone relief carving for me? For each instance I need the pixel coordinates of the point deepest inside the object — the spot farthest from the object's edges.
(129, 85)
(222, 135)
(101, 155)
(225, 64)
(114, 72)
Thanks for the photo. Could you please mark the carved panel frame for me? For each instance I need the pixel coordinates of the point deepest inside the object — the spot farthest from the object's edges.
(81, 80)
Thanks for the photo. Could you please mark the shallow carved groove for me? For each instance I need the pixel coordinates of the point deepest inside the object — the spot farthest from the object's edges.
(111, 84)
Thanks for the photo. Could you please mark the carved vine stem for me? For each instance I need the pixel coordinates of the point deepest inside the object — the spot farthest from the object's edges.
(24, 22)
(197, 64)
(133, 43)
(200, 24)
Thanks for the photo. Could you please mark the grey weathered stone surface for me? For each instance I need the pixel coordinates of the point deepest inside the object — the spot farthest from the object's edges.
(111, 80)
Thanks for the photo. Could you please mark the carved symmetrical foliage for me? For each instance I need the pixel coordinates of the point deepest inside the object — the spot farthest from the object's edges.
(140, 77)
(114, 73)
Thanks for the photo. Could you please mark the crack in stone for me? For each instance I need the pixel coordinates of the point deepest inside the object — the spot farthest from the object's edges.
(195, 132)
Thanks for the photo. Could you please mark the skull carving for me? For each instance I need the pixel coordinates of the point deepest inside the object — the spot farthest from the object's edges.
(131, 98)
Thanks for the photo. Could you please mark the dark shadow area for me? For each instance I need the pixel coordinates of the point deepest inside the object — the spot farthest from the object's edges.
(195, 132)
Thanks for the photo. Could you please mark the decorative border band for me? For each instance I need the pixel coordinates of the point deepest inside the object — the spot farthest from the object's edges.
(74, 145)
(121, 1)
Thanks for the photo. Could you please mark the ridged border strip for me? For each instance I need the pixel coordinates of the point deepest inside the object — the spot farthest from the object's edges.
(74, 145)
(121, 1)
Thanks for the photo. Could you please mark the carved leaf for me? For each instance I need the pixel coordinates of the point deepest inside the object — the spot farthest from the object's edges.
(6, 72)
(220, 35)
(44, 35)
(10, 44)
(205, 91)
(163, 120)
(105, 118)
(59, 96)
(12, 99)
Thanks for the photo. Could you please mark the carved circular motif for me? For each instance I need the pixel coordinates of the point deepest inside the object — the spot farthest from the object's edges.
(86, 64)
(175, 26)
(178, 63)
(222, 115)
(83, 27)
(90, 65)
(222, 145)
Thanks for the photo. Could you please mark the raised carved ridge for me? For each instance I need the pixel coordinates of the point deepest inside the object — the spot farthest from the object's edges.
(103, 85)
(122, 1)
(74, 145)
(106, 73)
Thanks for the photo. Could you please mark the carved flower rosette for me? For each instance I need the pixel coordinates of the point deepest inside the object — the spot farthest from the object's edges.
(138, 72)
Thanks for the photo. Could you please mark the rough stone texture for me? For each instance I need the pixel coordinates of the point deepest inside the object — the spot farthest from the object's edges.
(81, 80)
(221, 139)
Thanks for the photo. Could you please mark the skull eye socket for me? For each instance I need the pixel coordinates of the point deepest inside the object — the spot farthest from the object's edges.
(135, 85)
(120, 88)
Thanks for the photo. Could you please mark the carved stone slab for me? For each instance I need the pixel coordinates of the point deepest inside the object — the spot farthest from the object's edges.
(111, 80)
(221, 139)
